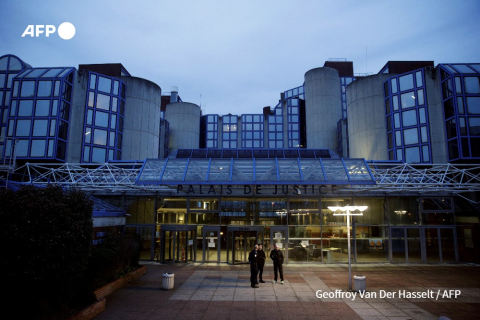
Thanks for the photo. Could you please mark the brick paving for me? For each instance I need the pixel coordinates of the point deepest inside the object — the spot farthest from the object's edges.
(220, 291)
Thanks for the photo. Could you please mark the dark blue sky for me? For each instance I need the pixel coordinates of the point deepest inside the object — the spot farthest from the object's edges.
(236, 57)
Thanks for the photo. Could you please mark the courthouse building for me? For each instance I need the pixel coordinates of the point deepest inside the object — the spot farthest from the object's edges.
(404, 142)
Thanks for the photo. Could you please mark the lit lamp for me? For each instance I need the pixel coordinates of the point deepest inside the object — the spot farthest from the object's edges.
(349, 211)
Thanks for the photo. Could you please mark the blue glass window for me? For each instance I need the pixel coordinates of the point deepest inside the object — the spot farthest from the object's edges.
(44, 89)
(104, 84)
(40, 128)
(42, 108)
(23, 128)
(38, 148)
(28, 89)
(25, 108)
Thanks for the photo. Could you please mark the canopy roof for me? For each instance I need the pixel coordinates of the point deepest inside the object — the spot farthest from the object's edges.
(255, 171)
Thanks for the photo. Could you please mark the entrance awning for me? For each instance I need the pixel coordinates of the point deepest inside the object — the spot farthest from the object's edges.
(255, 171)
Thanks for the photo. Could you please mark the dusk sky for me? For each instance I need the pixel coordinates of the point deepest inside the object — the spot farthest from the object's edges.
(237, 56)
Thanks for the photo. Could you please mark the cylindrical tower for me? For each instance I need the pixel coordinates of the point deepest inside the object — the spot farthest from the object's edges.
(366, 118)
(184, 121)
(323, 107)
(142, 119)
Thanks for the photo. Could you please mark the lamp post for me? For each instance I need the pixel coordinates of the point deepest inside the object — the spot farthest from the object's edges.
(349, 211)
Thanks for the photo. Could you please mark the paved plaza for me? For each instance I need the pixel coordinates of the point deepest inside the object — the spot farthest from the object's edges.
(310, 291)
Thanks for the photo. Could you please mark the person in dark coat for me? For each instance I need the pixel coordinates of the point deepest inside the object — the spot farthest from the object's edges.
(261, 262)
(253, 259)
(277, 256)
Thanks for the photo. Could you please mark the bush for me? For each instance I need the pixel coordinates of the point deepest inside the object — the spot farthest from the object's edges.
(116, 256)
(45, 243)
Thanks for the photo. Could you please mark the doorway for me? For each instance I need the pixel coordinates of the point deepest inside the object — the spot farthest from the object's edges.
(440, 244)
(211, 244)
(279, 237)
(177, 243)
(240, 241)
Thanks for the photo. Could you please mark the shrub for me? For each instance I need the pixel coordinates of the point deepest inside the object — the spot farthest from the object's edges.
(45, 246)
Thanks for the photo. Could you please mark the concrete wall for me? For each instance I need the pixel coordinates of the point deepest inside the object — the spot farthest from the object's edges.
(77, 118)
(366, 118)
(184, 120)
(322, 107)
(141, 119)
(435, 116)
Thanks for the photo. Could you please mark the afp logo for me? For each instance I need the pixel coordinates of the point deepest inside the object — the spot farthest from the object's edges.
(66, 30)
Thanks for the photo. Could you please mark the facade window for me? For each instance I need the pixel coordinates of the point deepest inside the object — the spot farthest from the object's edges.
(293, 118)
(461, 109)
(229, 132)
(252, 131)
(275, 128)
(103, 119)
(407, 118)
(36, 97)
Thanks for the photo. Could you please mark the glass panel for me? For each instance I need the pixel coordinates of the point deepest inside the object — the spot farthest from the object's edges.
(409, 118)
(463, 68)
(410, 136)
(103, 102)
(111, 141)
(51, 73)
(419, 78)
(38, 148)
(86, 154)
(98, 155)
(398, 244)
(23, 128)
(394, 85)
(473, 105)
(426, 153)
(174, 170)
(458, 84)
(197, 170)
(447, 242)
(13, 108)
(472, 84)
(406, 82)
(357, 170)
(28, 89)
(219, 170)
(113, 121)
(44, 89)
(334, 170)
(242, 170)
(311, 170)
(22, 148)
(115, 87)
(431, 244)
(26, 108)
(474, 126)
(91, 99)
(461, 109)
(412, 155)
(56, 91)
(40, 128)
(408, 100)
(51, 144)
(42, 108)
(414, 245)
(114, 104)
(88, 135)
(100, 137)
(422, 115)
(288, 170)
(35, 73)
(93, 81)
(398, 138)
(3, 64)
(53, 127)
(104, 84)
(89, 117)
(101, 119)
(463, 126)
(421, 98)
(265, 170)
(423, 132)
(396, 117)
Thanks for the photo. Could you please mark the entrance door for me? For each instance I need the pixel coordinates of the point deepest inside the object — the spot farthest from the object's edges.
(177, 243)
(240, 241)
(440, 244)
(406, 245)
(279, 237)
(211, 244)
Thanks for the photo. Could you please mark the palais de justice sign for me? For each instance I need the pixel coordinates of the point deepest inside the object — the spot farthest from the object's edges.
(260, 190)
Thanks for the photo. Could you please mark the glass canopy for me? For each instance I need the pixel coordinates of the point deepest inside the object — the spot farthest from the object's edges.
(295, 171)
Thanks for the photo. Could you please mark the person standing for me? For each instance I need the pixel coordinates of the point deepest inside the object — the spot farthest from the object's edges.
(277, 256)
(253, 259)
(261, 262)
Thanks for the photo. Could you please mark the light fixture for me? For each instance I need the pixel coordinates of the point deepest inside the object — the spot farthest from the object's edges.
(400, 211)
(347, 211)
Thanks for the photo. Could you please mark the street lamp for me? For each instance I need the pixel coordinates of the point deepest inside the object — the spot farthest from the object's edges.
(349, 211)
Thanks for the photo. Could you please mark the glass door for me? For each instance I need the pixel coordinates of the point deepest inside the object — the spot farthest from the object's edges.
(241, 240)
(440, 244)
(211, 244)
(177, 244)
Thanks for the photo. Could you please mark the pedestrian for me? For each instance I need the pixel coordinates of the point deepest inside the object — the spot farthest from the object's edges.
(253, 259)
(277, 256)
(261, 262)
